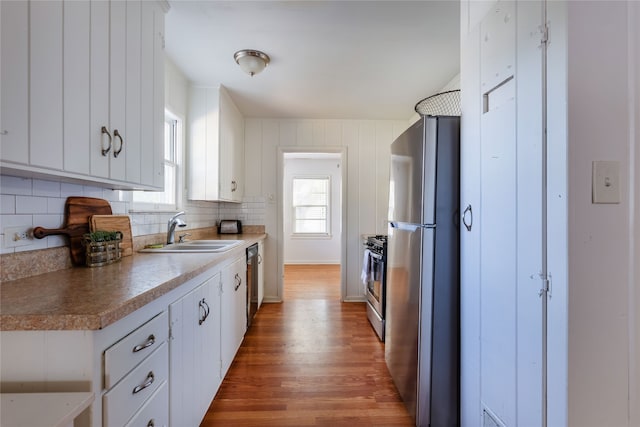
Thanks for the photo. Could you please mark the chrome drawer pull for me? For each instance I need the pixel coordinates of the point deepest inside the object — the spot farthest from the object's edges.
(149, 381)
(150, 341)
(151, 423)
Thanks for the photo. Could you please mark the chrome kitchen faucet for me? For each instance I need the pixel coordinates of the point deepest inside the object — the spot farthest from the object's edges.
(171, 227)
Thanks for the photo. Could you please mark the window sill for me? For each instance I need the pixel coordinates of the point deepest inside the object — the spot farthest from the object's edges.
(311, 236)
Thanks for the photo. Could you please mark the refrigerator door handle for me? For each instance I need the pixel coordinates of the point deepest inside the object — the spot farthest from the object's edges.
(406, 226)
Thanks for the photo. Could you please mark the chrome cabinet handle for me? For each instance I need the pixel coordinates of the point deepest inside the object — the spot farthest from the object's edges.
(239, 279)
(105, 151)
(234, 186)
(150, 341)
(116, 134)
(151, 423)
(259, 259)
(464, 218)
(148, 382)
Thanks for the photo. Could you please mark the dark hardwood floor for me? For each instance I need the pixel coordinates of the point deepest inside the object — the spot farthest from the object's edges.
(310, 361)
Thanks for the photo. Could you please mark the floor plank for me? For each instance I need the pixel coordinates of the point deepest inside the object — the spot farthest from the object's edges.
(309, 361)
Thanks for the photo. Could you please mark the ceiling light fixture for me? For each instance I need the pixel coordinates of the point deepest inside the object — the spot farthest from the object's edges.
(251, 61)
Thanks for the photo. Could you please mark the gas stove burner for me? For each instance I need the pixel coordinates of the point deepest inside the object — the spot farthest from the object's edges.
(377, 242)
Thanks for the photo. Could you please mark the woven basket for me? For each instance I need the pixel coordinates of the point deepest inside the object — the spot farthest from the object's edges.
(440, 104)
(102, 253)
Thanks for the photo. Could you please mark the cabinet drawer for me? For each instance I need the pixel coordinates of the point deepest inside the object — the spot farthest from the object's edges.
(123, 356)
(155, 411)
(124, 400)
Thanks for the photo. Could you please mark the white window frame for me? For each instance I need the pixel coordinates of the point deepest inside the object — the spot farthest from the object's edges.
(177, 162)
(303, 235)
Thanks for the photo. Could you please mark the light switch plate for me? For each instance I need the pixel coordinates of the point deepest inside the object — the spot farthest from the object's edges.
(606, 182)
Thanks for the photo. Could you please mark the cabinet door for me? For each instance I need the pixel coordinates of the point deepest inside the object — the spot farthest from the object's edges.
(99, 112)
(225, 171)
(240, 300)
(157, 165)
(131, 154)
(77, 86)
(237, 177)
(234, 311)
(45, 84)
(194, 352)
(14, 81)
(227, 320)
(210, 336)
(118, 89)
(231, 149)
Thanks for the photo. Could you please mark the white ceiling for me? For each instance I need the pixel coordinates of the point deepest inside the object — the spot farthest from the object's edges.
(329, 59)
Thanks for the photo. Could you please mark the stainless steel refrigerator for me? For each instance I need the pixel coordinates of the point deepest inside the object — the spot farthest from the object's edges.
(423, 326)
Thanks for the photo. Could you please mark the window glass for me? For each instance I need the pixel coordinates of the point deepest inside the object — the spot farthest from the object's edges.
(169, 198)
(310, 200)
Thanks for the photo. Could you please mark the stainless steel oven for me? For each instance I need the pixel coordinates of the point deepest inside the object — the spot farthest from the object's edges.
(374, 277)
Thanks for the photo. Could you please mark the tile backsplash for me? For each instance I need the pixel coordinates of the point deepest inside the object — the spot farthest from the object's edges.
(34, 202)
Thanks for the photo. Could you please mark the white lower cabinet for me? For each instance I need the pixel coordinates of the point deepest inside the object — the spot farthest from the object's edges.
(234, 310)
(195, 352)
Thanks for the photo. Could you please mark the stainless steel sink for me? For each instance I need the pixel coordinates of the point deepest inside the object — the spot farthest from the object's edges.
(197, 246)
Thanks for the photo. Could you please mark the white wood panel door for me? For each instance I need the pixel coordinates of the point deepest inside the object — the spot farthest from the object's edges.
(45, 84)
(77, 86)
(133, 101)
(158, 99)
(195, 352)
(470, 193)
(210, 336)
(147, 115)
(507, 253)
(14, 81)
(100, 90)
(118, 89)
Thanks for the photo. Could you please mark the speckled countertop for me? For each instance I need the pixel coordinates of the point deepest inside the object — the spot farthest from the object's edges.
(85, 298)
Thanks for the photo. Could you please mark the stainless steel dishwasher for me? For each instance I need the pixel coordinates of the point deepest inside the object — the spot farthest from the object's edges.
(252, 282)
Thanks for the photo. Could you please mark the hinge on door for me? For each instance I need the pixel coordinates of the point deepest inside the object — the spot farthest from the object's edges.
(546, 285)
(544, 31)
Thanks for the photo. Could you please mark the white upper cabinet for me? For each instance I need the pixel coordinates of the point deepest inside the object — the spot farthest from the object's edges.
(83, 91)
(216, 149)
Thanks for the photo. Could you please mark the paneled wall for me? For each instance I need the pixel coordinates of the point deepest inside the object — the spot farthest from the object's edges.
(367, 170)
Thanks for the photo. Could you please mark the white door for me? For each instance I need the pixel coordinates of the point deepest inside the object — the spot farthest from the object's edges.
(502, 363)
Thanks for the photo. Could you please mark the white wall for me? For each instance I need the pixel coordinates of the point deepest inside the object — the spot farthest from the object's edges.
(367, 167)
(313, 250)
(602, 124)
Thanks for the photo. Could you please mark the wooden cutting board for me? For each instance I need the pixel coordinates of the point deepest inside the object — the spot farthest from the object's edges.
(77, 211)
(120, 223)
